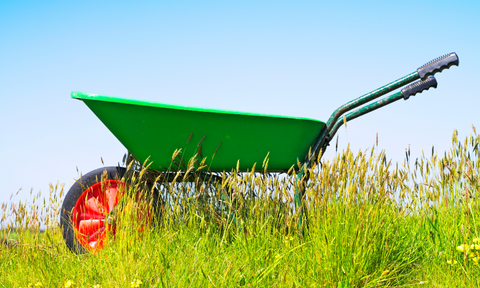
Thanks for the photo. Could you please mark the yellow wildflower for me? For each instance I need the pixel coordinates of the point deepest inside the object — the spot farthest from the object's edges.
(136, 283)
(288, 239)
(69, 284)
(462, 248)
(450, 262)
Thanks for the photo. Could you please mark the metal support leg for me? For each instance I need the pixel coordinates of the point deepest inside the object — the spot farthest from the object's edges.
(299, 204)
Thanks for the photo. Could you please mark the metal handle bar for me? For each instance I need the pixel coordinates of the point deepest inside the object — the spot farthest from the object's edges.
(369, 97)
(406, 92)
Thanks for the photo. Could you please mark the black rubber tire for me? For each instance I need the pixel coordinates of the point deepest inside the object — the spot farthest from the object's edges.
(113, 173)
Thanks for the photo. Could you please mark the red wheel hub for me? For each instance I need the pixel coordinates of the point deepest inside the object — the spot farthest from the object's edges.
(91, 212)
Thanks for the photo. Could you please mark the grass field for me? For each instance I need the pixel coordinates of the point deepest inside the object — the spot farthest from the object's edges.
(370, 223)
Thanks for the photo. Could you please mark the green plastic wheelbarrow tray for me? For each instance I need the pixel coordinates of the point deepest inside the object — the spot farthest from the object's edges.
(223, 138)
(168, 136)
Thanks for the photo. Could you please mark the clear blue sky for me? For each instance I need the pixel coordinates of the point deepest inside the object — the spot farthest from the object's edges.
(298, 58)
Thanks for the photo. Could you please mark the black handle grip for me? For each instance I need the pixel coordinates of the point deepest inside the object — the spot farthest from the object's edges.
(419, 86)
(438, 65)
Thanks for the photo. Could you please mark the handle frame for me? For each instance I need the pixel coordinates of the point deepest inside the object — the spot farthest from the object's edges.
(328, 131)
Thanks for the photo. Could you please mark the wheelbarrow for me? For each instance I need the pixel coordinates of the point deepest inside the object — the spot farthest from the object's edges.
(223, 140)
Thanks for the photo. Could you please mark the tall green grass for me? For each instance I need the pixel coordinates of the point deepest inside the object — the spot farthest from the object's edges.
(369, 223)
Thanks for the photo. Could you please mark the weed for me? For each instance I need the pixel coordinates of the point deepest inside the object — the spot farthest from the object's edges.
(369, 223)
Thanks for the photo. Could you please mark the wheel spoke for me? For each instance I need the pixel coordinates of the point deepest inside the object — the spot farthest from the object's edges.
(94, 205)
(89, 216)
(91, 226)
(111, 198)
(98, 235)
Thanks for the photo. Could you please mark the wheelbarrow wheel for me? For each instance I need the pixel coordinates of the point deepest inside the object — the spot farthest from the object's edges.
(85, 210)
